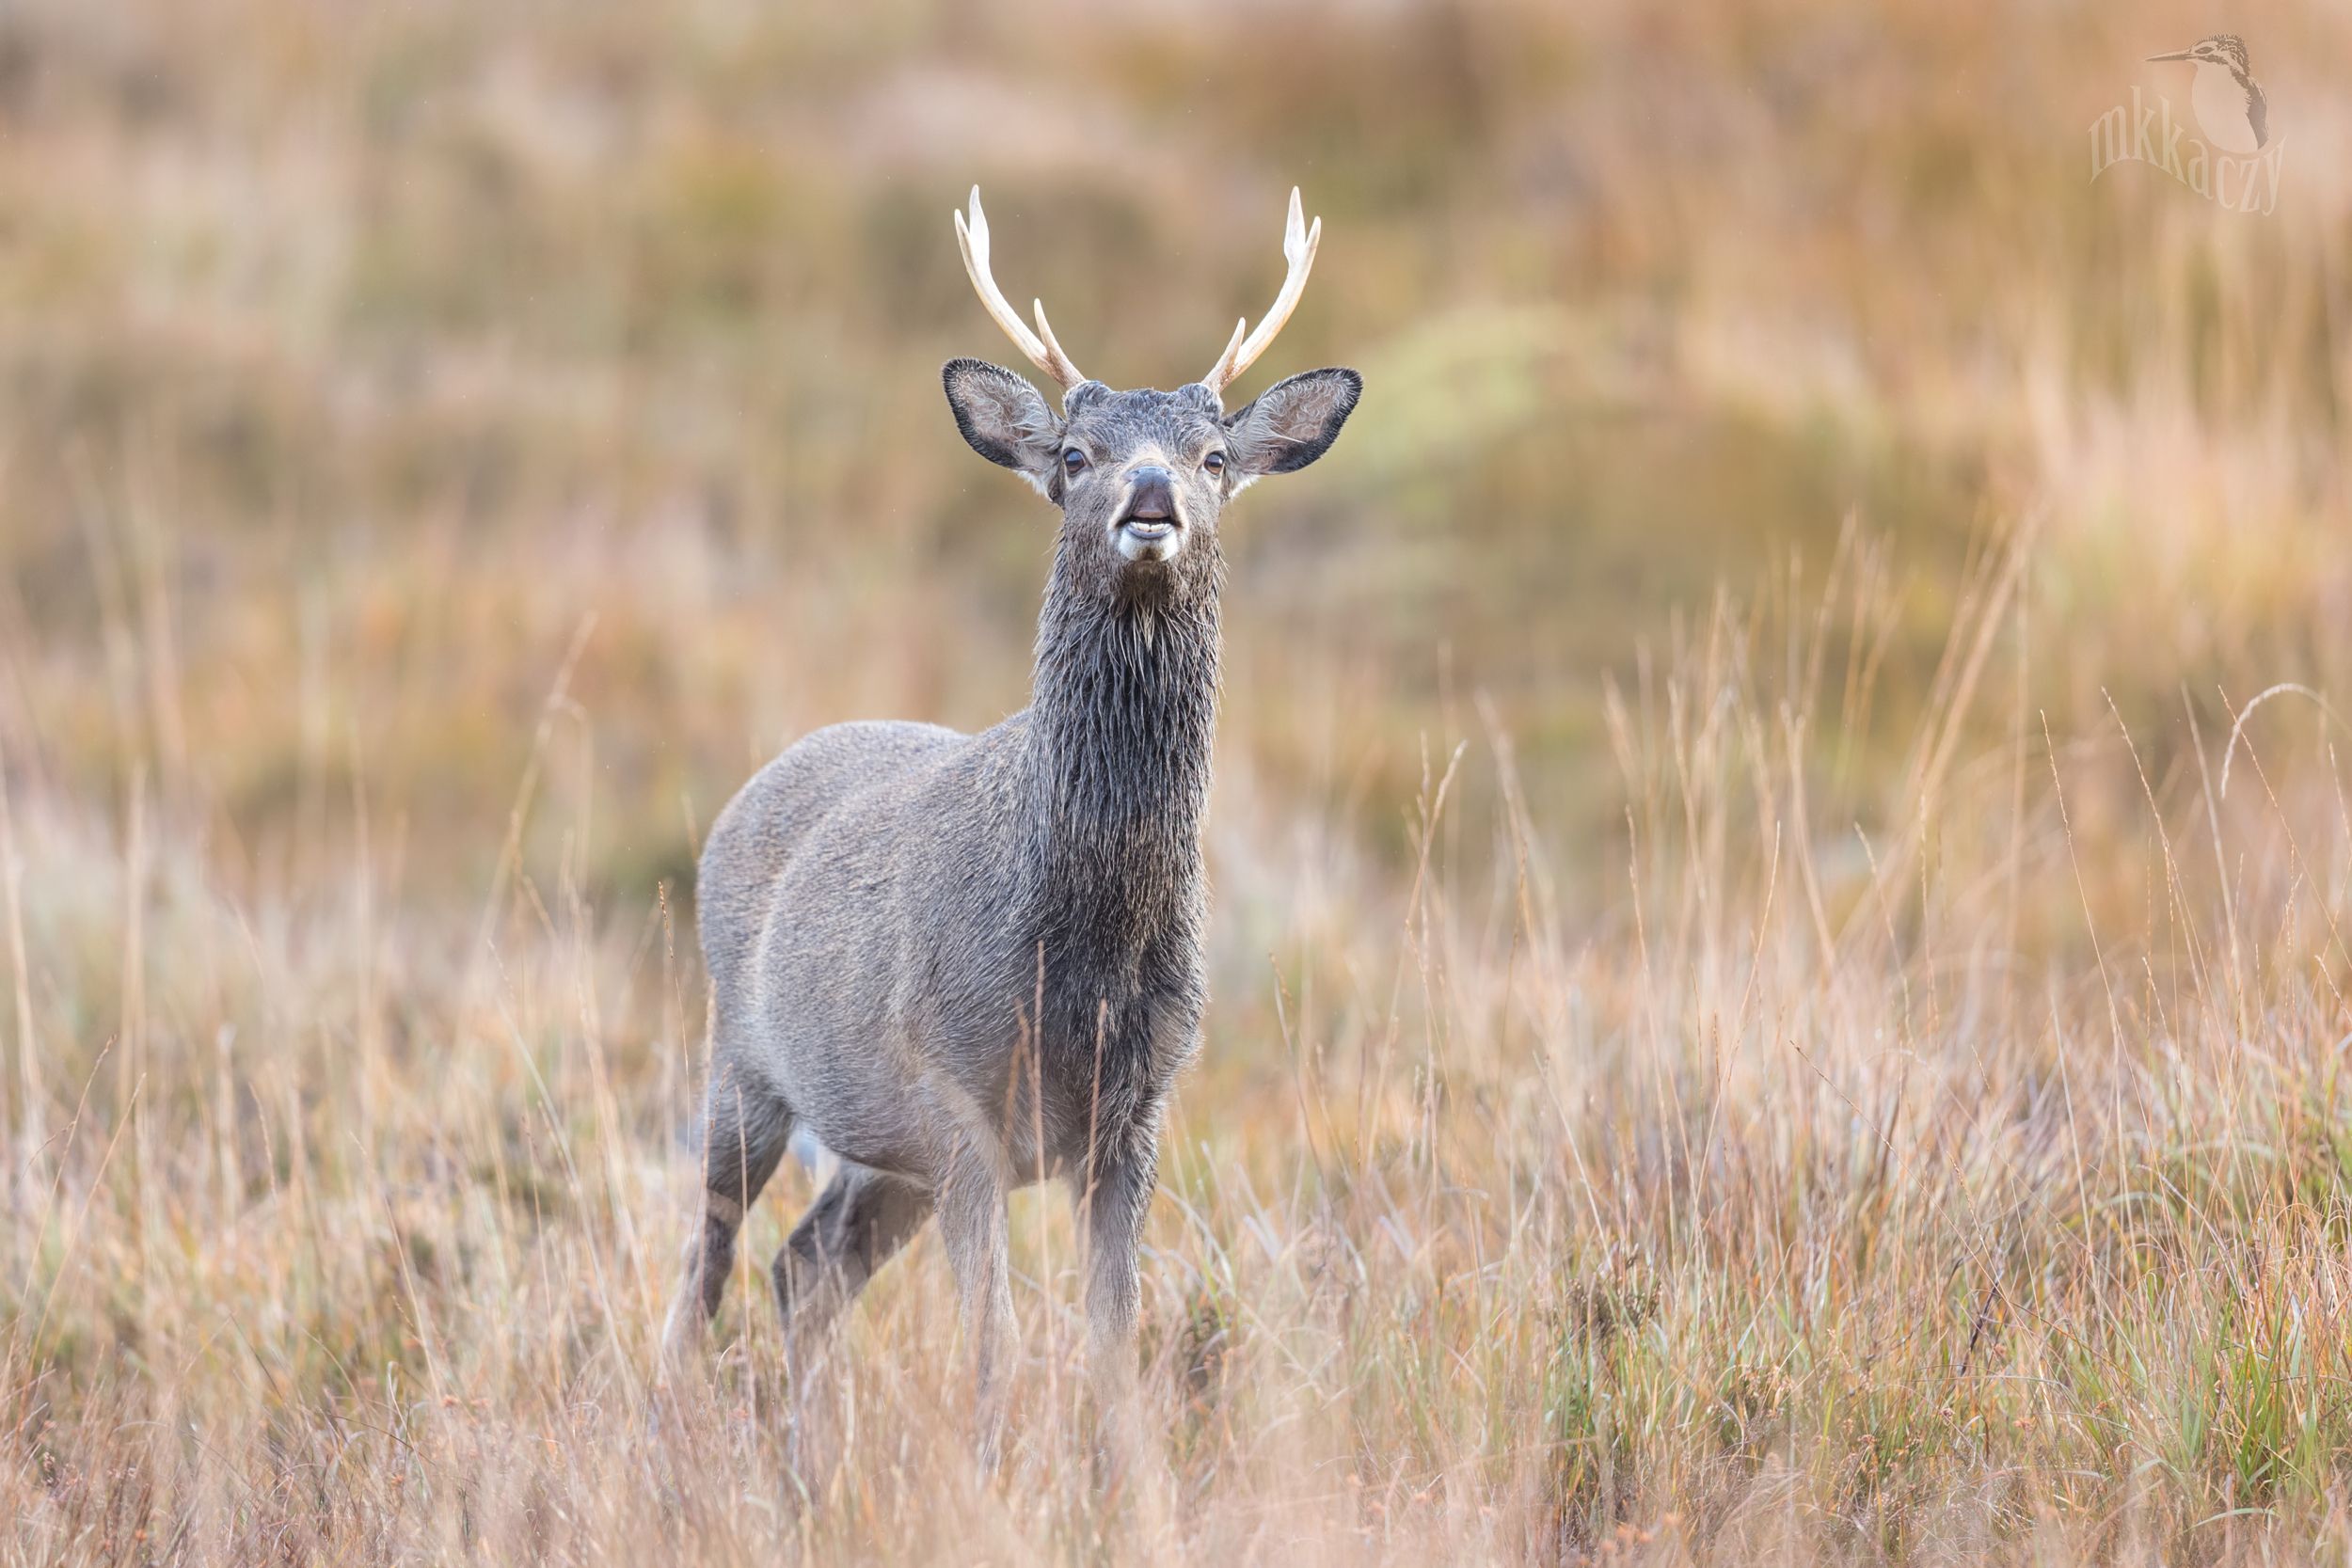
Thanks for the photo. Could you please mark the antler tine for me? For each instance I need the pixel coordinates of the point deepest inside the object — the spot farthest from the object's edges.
(1044, 352)
(1059, 368)
(1299, 249)
(1224, 370)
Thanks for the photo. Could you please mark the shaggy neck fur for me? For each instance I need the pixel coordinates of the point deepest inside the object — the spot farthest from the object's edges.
(1123, 723)
(1118, 783)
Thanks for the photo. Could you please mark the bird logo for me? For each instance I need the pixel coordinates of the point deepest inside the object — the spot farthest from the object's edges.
(2224, 94)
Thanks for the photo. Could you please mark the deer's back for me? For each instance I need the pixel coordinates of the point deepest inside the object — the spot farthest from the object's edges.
(845, 896)
(754, 839)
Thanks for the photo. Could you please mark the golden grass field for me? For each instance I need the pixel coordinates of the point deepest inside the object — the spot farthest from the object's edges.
(1783, 872)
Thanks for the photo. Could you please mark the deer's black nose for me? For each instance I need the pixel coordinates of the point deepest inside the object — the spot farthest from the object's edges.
(1152, 497)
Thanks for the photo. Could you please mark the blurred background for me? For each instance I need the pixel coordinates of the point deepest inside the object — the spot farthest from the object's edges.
(1748, 697)
(355, 359)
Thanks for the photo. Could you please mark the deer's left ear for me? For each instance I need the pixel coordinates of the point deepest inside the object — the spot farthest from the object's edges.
(1003, 418)
(1292, 422)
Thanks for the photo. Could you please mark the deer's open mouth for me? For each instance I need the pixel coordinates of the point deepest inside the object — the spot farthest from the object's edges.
(1147, 538)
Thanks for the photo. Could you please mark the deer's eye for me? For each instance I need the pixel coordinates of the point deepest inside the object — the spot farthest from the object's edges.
(1214, 462)
(1073, 461)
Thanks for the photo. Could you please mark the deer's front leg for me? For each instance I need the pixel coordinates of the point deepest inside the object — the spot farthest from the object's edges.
(972, 1223)
(1112, 1208)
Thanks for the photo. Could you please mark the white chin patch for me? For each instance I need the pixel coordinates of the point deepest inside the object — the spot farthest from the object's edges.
(1135, 546)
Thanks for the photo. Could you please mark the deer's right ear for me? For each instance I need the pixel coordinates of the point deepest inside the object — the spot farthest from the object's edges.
(1004, 417)
(1292, 422)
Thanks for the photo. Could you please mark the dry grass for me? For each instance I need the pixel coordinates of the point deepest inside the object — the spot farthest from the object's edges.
(1843, 1067)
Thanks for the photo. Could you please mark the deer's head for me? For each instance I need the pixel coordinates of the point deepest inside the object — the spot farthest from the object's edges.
(1142, 477)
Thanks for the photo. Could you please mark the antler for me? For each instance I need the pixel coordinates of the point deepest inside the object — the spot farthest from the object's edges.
(1299, 249)
(1044, 352)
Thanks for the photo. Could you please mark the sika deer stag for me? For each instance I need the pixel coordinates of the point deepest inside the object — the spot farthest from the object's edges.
(963, 961)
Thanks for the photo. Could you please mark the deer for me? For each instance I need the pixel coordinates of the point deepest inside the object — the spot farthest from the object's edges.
(966, 963)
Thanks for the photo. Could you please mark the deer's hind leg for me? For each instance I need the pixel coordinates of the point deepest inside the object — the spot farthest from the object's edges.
(860, 1220)
(857, 1223)
(745, 1130)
